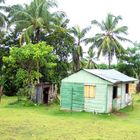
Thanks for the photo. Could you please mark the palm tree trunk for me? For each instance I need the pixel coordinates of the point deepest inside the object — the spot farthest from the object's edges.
(109, 60)
(78, 63)
(37, 37)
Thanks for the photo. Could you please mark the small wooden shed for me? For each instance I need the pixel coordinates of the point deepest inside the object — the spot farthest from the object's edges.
(45, 93)
(96, 90)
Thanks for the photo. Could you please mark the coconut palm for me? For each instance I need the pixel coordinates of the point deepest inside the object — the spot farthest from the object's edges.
(3, 18)
(77, 54)
(34, 19)
(90, 60)
(108, 41)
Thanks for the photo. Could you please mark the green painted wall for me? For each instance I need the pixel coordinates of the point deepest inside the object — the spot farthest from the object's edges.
(99, 103)
(84, 77)
(72, 93)
(72, 96)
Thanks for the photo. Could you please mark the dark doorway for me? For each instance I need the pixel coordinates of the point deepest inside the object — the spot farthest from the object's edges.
(45, 95)
(115, 90)
(126, 88)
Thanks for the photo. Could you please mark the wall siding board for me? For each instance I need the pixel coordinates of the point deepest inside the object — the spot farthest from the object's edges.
(86, 78)
(97, 104)
(72, 96)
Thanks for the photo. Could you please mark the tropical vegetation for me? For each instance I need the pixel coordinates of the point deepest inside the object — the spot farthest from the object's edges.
(108, 40)
(38, 45)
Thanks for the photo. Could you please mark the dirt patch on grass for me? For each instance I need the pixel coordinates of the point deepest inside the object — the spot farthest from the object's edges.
(119, 114)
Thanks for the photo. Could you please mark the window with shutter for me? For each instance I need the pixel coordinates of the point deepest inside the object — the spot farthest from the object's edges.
(89, 91)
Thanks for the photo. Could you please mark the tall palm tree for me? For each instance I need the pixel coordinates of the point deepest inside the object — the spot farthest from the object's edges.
(108, 41)
(34, 19)
(3, 18)
(77, 54)
(90, 60)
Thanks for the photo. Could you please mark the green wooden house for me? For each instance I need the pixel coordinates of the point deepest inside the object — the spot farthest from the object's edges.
(96, 90)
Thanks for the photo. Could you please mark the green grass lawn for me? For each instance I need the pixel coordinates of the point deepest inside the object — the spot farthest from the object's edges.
(18, 122)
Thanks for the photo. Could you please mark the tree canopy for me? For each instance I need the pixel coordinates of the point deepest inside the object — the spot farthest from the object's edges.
(37, 44)
(108, 40)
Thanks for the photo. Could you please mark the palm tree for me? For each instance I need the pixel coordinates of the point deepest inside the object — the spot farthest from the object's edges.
(77, 53)
(34, 19)
(3, 18)
(108, 41)
(90, 60)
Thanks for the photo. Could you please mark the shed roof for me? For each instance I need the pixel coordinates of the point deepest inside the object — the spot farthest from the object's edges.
(111, 75)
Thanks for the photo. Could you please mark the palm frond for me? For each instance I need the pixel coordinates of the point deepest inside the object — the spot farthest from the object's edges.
(52, 3)
(108, 21)
(118, 48)
(80, 51)
(101, 47)
(86, 30)
(115, 21)
(3, 20)
(23, 15)
(25, 36)
(4, 8)
(95, 22)
(121, 30)
(123, 39)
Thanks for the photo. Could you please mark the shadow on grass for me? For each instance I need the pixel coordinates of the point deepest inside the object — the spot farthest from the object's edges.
(123, 112)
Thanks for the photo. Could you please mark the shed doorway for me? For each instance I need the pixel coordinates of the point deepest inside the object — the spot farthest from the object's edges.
(114, 98)
(115, 90)
(45, 95)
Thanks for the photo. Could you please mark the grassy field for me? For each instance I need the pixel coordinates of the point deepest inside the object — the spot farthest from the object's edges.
(18, 122)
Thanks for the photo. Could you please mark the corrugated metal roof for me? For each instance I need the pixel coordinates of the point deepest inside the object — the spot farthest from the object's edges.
(111, 75)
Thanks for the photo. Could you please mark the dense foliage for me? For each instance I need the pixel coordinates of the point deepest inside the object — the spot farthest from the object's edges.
(27, 60)
(37, 45)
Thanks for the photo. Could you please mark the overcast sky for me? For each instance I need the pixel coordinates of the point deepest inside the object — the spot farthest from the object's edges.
(81, 12)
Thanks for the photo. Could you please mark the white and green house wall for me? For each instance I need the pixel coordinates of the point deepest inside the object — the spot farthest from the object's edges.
(96, 90)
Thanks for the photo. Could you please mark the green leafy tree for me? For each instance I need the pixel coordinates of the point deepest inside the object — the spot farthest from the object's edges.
(77, 53)
(62, 43)
(130, 61)
(1, 86)
(102, 66)
(29, 59)
(11, 39)
(3, 52)
(108, 40)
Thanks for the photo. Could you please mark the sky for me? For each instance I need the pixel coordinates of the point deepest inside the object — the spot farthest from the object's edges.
(81, 12)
